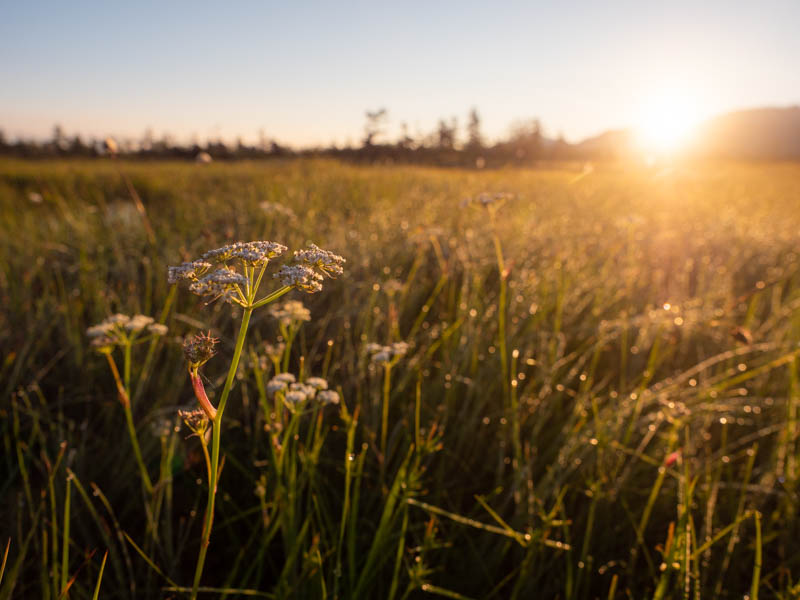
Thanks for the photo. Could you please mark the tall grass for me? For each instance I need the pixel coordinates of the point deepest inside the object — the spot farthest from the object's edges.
(599, 398)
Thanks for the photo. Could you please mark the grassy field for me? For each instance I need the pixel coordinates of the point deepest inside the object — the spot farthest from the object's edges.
(599, 399)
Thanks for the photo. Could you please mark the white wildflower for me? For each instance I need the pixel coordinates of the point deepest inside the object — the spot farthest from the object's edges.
(285, 377)
(109, 332)
(317, 382)
(273, 208)
(385, 354)
(274, 386)
(157, 329)
(295, 397)
(399, 349)
(328, 397)
(138, 322)
(382, 356)
(289, 312)
(308, 390)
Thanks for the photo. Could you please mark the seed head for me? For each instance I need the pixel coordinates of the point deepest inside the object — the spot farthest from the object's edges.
(198, 349)
(195, 419)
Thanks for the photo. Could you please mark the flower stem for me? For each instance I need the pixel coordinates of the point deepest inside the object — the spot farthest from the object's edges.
(387, 387)
(124, 399)
(271, 297)
(216, 433)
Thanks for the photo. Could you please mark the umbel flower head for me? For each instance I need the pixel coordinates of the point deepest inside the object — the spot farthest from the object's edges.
(309, 268)
(196, 420)
(387, 354)
(214, 274)
(119, 329)
(291, 311)
(211, 276)
(324, 261)
(294, 392)
(253, 253)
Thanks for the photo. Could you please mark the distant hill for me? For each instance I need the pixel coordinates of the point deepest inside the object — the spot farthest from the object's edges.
(760, 133)
(616, 143)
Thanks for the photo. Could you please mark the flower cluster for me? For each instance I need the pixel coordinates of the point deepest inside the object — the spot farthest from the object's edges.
(188, 271)
(385, 354)
(291, 311)
(253, 253)
(295, 392)
(327, 262)
(196, 420)
(119, 329)
(224, 282)
(300, 277)
(311, 265)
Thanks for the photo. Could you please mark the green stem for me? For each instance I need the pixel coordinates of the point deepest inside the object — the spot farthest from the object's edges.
(501, 310)
(387, 383)
(146, 481)
(215, 443)
(271, 297)
(126, 369)
(124, 398)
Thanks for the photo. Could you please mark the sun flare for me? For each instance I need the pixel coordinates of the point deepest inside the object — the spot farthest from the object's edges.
(668, 122)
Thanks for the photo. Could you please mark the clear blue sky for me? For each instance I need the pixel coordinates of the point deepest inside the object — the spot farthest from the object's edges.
(305, 72)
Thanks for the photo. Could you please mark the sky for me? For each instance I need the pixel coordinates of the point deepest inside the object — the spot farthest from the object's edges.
(304, 73)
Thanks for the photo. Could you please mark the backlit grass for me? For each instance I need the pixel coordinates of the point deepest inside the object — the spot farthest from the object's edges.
(598, 397)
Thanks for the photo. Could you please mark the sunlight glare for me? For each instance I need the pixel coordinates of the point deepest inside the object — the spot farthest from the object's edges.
(667, 121)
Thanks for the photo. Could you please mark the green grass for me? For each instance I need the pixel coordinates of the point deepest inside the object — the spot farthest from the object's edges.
(608, 297)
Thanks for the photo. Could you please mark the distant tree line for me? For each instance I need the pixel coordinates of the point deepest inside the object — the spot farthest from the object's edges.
(447, 145)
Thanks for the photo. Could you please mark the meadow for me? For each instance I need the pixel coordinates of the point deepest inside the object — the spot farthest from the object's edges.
(598, 398)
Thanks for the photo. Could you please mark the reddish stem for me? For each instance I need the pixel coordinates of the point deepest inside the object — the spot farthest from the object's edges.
(200, 394)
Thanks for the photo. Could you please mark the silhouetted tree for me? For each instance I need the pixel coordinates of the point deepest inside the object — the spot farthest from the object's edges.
(374, 126)
(474, 135)
(447, 134)
(406, 141)
(59, 138)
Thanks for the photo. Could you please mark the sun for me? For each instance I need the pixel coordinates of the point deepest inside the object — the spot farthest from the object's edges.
(668, 121)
